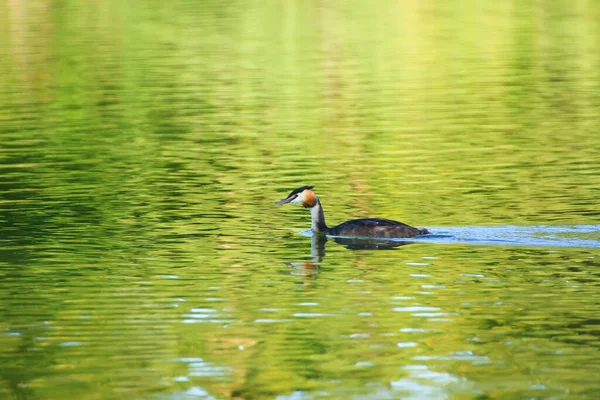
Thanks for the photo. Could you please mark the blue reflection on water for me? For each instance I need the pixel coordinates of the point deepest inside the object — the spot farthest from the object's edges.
(540, 235)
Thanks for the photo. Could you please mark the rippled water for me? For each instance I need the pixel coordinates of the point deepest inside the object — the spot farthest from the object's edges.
(143, 144)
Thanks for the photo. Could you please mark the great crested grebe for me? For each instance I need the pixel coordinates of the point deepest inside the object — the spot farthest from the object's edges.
(364, 227)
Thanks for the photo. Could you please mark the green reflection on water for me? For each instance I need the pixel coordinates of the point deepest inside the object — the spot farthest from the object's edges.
(142, 146)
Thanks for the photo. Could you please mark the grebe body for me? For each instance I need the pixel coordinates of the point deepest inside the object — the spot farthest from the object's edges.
(364, 227)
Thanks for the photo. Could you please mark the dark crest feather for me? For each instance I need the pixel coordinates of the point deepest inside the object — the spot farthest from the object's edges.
(299, 190)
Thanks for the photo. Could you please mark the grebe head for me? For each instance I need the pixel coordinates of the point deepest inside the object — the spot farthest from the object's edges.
(303, 195)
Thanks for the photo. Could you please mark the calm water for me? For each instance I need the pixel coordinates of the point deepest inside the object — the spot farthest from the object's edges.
(143, 144)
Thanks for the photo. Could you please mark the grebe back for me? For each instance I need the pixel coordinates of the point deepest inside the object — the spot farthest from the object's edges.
(364, 227)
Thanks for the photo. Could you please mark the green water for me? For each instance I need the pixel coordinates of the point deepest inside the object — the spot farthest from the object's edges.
(143, 144)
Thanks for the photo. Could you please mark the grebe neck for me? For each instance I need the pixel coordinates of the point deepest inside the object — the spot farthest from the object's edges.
(318, 218)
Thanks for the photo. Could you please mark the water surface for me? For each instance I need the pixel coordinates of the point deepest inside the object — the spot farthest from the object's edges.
(142, 145)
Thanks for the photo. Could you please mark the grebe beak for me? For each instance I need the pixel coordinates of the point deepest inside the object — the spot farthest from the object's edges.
(285, 201)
